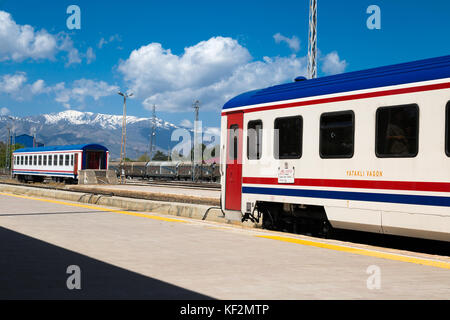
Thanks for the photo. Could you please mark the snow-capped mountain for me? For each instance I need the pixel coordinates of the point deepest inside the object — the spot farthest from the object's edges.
(106, 121)
(75, 127)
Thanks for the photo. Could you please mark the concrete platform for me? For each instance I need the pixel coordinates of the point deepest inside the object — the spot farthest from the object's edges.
(176, 203)
(129, 255)
(151, 192)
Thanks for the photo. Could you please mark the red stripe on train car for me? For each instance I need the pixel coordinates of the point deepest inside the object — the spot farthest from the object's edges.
(347, 97)
(358, 184)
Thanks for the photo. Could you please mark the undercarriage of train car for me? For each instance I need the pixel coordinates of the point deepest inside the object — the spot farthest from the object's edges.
(293, 218)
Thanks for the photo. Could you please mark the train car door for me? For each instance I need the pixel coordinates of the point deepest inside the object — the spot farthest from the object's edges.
(233, 184)
(75, 167)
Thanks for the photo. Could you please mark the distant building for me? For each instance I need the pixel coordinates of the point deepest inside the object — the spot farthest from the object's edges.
(27, 141)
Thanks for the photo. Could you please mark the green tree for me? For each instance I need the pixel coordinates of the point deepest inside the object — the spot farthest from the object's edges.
(144, 158)
(3, 152)
(160, 156)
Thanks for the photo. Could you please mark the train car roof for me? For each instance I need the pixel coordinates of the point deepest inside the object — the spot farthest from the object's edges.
(81, 147)
(416, 71)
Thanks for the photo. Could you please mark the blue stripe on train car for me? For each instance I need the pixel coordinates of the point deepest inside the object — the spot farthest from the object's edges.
(357, 196)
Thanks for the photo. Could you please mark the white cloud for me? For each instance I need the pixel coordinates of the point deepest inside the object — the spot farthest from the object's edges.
(104, 41)
(20, 42)
(76, 95)
(38, 86)
(212, 71)
(293, 43)
(90, 55)
(186, 123)
(332, 64)
(4, 111)
(12, 83)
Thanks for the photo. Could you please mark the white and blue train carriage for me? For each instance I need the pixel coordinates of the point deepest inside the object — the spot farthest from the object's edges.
(366, 150)
(62, 163)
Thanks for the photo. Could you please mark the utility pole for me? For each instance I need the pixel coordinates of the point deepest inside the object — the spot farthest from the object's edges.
(124, 136)
(312, 40)
(196, 155)
(7, 151)
(152, 133)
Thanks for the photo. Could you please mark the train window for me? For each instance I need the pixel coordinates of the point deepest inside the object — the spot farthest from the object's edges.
(61, 160)
(55, 160)
(45, 160)
(21, 160)
(71, 159)
(337, 134)
(26, 160)
(35, 160)
(397, 131)
(254, 140)
(447, 129)
(67, 160)
(40, 161)
(50, 158)
(233, 148)
(288, 138)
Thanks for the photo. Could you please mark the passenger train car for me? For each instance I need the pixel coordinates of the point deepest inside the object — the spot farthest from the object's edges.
(366, 150)
(62, 163)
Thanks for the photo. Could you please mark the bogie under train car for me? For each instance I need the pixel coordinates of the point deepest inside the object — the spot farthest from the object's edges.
(61, 163)
(366, 150)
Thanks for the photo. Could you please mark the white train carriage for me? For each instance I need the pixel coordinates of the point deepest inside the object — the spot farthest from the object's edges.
(59, 162)
(366, 150)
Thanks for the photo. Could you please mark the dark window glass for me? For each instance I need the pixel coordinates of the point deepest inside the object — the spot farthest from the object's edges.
(337, 134)
(67, 160)
(45, 160)
(22, 160)
(288, 137)
(254, 140)
(61, 160)
(55, 160)
(26, 160)
(40, 161)
(50, 158)
(35, 160)
(71, 159)
(447, 129)
(397, 131)
(234, 142)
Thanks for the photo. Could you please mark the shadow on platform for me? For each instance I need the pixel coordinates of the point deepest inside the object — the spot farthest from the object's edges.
(34, 269)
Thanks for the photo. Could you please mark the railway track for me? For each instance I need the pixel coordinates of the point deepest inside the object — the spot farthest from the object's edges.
(175, 184)
(48, 184)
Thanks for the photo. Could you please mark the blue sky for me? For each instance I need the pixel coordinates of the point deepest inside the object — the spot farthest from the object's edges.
(170, 53)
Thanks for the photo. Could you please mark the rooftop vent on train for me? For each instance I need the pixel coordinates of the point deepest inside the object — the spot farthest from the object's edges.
(301, 78)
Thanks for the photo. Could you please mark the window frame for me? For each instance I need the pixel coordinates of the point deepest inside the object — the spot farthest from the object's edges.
(233, 129)
(353, 134)
(258, 157)
(277, 156)
(418, 131)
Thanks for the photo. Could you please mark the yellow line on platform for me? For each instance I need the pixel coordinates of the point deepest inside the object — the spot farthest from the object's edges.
(136, 214)
(364, 252)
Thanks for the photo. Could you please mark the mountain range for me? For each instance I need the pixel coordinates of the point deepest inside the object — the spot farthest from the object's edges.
(76, 127)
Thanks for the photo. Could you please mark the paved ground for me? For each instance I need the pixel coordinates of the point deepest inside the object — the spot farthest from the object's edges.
(129, 255)
(213, 193)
